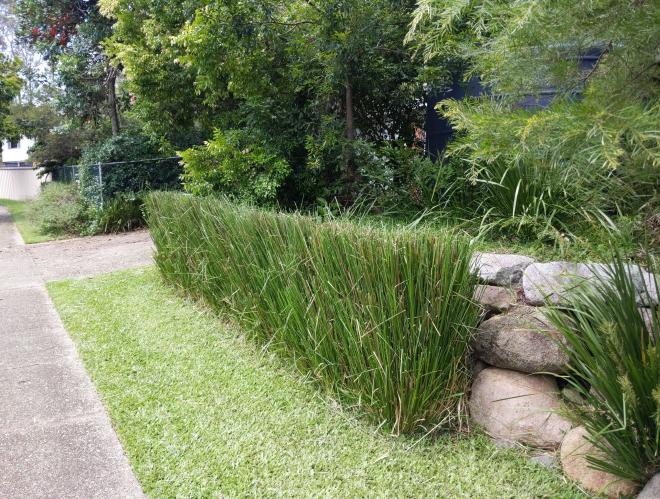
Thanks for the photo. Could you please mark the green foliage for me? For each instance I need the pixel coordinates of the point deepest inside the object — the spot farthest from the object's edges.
(56, 140)
(10, 85)
(601, 124)
(69, 34)
(532, 201)
(26, 225)
(200, 412)
(60, 210)
(165, 97)
(286, 73)
(34, 120)
(615, 365)
(134, 176)
(63, 145)
(229, 164)
(397, 179)
(381, 317)
(580, 142)
(121, 214)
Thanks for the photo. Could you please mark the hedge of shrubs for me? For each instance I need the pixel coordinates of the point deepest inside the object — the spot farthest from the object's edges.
(380, 317)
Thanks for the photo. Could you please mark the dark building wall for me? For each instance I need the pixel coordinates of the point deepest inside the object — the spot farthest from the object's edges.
(438, 130)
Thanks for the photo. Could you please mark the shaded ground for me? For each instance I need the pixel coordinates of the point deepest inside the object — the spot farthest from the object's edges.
(55, 437)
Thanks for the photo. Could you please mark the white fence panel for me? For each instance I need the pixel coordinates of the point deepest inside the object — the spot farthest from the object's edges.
(19, 184)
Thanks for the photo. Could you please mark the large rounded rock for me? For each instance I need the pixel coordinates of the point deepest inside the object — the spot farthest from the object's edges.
(522, 340)
(554, 281)
(500, 269)
(652, 489)
(517, 407)
(574, 451)
(494, 298)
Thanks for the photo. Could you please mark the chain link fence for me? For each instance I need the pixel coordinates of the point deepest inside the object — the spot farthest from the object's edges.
(101, 182)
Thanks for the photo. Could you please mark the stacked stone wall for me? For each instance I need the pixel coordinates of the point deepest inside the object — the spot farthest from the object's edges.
(515, 395)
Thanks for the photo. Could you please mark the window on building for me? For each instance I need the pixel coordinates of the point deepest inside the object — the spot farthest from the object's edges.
(13, 143)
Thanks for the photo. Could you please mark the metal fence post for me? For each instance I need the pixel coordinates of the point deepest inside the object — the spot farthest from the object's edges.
(101, 183)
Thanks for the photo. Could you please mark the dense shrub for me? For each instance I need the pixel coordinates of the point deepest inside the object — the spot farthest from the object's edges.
(120, 214)
(233, 165)
(382, 318)
(60, 210)
(532, 200)
(400, 179)
(134, 176)
(615, 365)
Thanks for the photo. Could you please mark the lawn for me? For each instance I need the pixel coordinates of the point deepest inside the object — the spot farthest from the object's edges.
(29, 231)
(203, 412)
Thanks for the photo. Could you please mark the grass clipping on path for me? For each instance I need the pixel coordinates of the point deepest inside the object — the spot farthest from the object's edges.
(201, 412)
(382, 318)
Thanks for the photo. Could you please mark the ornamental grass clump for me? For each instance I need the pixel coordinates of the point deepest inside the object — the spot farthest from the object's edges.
(382, 318)
(612, 344)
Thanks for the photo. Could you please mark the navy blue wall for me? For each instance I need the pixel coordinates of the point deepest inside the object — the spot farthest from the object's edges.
(438, 130)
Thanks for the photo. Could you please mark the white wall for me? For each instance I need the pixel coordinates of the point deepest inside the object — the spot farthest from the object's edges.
(19, 184)
(18, 154)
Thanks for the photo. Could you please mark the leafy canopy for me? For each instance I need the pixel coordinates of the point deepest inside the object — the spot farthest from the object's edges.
(10, 85)
(604, 116)
(69, 34)
(308, 77)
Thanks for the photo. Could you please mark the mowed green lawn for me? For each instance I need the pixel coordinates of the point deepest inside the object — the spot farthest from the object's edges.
(29, 231)
(202, 412)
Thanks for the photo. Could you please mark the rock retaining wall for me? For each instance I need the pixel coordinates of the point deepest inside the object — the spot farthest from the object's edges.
(515, 343)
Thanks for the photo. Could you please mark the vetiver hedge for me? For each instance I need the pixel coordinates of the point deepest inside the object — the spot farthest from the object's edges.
(380, 317)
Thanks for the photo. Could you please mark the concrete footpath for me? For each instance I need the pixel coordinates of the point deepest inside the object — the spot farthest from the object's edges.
(56, 439)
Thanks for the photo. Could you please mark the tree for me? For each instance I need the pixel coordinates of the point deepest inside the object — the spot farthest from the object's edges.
(602, 121)
(310, 80)
(10, 86)
(37, 86)
(165, 96)
(70, 34)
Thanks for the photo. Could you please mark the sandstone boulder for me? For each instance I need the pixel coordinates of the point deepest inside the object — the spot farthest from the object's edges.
(500, 269)
(646, 286)
(652, 489)
(574, 450)
(553, 281)
(517, 407)
(522, 340)
(495, 298)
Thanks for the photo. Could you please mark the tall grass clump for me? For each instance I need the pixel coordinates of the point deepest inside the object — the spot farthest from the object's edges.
(60, 210)
(615, 365)
(382, 318)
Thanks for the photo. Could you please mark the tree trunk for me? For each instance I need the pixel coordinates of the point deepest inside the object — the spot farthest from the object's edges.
(350, 126)
(350, 133)
(112, 100)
